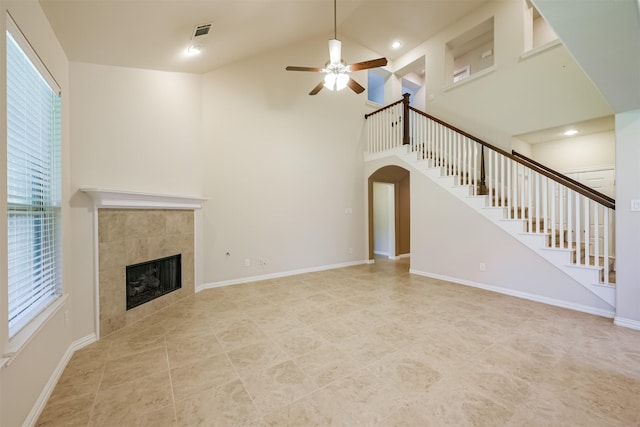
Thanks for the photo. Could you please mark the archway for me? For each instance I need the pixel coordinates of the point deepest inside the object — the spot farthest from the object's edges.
(399, 177)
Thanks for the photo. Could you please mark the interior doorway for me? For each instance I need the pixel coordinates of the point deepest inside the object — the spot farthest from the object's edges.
(384, 219)
(392, 239)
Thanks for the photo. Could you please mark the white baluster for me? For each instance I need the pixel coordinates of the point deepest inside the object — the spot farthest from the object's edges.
(554, 189)
(587, 231)
(561, 225)
(596, 234)
(530, 198)
(578, 229)
(605, 241)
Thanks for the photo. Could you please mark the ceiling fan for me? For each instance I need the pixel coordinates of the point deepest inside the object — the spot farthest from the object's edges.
(336, 70)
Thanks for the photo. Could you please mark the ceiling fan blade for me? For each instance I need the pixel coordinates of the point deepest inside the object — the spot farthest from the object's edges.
(335, 51)
(316, 89)
(314, 69)
(355, 86)
(380, 62)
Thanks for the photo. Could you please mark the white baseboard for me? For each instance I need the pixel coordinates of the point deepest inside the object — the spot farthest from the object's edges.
(37, 408)
(204, 286)
(381, 253)
(525, 295)
(627, 323)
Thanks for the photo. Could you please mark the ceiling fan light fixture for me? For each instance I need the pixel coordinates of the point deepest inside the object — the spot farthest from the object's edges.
(330, 81)
(341, 81)
(336, 81)
(335, 51)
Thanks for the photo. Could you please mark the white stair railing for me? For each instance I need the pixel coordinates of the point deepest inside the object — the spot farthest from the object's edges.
(571, 215)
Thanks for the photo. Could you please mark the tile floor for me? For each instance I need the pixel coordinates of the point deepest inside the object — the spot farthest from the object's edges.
(368, 345)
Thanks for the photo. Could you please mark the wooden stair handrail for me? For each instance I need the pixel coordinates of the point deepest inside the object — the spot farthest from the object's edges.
(597, 196)
(366, 116)
(579, 188)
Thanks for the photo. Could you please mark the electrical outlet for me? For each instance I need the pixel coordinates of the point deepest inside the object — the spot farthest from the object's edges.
(247, 262)
(483, 266)
(262, 262)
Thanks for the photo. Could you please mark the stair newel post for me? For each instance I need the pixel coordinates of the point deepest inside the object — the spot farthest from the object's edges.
(406, 138)
(483, 186)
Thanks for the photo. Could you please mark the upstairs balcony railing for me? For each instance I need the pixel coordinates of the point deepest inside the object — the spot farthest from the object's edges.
(572, 215)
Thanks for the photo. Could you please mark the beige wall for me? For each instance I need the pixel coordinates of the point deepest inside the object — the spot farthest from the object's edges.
(521, 95)
(282, 167)
(578, 153)
(22, 382)
(450, 239)
(137, 130)
(627, 222)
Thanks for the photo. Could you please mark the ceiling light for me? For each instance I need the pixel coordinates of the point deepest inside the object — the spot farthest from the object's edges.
(336, 81)
(570, 132)
(194, 49)
(396, 45)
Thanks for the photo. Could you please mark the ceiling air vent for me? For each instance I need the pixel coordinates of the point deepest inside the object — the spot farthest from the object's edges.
(201, 30)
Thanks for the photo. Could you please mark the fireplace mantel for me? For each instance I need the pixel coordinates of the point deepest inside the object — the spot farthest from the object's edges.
(116, 199)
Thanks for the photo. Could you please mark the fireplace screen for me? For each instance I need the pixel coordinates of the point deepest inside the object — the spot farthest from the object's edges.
(152, 279)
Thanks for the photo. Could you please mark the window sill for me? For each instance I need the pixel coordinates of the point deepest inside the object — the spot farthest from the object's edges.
(373, 104)
(540, 49)
(471, 78)
(22, 338)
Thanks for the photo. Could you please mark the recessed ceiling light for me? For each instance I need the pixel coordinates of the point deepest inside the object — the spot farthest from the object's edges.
(194, 49)
(570, 132)
(396, 45)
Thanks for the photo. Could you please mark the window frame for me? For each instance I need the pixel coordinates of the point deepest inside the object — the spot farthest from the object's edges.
(12, 344)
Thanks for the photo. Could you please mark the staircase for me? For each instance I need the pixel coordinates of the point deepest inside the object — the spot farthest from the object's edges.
(570, 226)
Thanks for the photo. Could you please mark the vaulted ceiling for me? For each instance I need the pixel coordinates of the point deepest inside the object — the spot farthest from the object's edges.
(154, 34)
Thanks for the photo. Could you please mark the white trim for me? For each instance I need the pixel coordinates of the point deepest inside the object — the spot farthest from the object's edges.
(96, 274)
(39, 405)
(472, 77)
(381, 253)
(28, 332)
(278, 275)
(525, 295)
(627, 323)
(538, 50)
(30, 52)
(103, 198)
(404, 256)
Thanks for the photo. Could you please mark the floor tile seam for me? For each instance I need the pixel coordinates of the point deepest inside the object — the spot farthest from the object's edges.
(244, 385)
(95, 397)
(318, 389)
(173, 396)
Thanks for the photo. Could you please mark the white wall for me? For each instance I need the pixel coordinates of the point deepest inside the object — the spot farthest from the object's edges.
(24, 379)
(282, 166)
(449, 240)
(132, 130)
(521, 95)
(578, 153)
(627, 222)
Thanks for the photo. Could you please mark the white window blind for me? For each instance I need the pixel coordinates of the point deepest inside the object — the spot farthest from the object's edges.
(33, 184)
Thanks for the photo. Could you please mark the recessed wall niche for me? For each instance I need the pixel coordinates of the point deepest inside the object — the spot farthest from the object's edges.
(470, 52)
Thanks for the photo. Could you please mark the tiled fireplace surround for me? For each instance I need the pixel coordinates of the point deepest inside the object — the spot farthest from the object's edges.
(137, 230)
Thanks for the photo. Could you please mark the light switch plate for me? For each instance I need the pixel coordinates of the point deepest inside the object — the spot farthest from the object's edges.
(635, 206)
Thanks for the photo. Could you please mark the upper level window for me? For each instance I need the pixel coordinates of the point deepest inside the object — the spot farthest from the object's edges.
(33, 183)
(470, 52)
(376, 79)
(537, 32)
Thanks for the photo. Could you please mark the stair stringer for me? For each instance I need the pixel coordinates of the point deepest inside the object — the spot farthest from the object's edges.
(586, 276)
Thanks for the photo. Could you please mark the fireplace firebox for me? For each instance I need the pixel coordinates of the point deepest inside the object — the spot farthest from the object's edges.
(152, 279)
